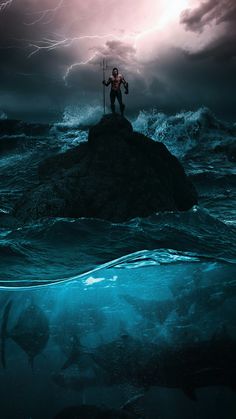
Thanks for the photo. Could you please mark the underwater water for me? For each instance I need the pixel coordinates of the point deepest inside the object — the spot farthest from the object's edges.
(95, 312)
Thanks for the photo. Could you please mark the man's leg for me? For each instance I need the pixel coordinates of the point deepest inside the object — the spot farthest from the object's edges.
(113, 98)
(119, 98)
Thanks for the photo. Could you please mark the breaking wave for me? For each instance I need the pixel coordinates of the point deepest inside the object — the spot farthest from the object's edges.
(33, 252)
(186, 132)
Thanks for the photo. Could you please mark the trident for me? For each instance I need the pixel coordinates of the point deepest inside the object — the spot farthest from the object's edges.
(104, 68)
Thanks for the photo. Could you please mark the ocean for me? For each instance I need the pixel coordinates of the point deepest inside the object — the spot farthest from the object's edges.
(166, 282)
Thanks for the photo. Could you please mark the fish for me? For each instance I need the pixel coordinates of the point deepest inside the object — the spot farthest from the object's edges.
(78, 379)
(190, 303)
(143, 364)
(77, 321)
(152, 310)
(193, 366)
(118, 360)
(202, 297)
(30, 332)
(76, 351)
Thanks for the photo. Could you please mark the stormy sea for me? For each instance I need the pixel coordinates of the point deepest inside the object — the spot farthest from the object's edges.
(132, 319)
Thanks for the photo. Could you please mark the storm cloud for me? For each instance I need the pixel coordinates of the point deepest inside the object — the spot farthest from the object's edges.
(220, 15)
(51, 53)
(211, 11)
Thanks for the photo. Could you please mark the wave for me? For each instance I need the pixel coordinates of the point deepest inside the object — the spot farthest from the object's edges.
(187, 132)
(73, 128)
(140, 259)
(21, 143)
(52, 249)
(3, 115)
(81, 116)
(61, 248)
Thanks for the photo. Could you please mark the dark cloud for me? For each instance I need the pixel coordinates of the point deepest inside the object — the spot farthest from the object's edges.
(210, 11)
(185, 83)
(196, 19)
(43, 84)
(221, 15)
(222, 49)
(120, 51)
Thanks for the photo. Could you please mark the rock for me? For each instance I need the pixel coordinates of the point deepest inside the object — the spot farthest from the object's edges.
(117, 175)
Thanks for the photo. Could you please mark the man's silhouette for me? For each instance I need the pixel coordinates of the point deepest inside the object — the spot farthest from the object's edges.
(116, 79)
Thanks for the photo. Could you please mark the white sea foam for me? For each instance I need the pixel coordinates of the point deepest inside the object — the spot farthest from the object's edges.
(3, 115)
(79, 116)
(186, 130)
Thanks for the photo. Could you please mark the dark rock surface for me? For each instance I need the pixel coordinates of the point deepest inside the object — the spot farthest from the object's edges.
(117, 175)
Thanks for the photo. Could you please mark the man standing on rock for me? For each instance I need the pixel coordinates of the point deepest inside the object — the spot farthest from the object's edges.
(116, 79)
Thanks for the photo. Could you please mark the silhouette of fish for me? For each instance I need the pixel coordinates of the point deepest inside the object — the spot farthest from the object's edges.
(152, 310)
(31, 331)
(188, 367)
(119, 359)
(78, 379)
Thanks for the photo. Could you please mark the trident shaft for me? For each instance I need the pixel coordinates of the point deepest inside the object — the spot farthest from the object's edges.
(104, 68)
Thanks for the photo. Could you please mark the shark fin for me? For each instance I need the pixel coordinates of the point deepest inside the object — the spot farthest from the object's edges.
(4, 334)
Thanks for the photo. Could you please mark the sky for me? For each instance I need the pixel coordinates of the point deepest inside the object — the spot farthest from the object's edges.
(175, 55)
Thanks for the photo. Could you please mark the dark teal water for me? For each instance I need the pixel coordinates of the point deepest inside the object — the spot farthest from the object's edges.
(167, 280)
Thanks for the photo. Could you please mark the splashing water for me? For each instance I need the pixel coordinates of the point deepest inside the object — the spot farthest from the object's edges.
(187, 131)
(3, 115)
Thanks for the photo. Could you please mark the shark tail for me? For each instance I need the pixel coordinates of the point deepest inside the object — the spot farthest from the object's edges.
(4, 334)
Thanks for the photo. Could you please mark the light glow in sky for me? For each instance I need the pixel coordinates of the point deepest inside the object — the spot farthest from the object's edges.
(166, 49)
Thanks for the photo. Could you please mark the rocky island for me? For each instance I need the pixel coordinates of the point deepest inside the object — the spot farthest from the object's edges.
(118, 174)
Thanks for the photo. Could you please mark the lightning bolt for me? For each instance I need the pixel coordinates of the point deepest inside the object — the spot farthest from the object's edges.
(53, 43)
(129, 37)
(50, 44)
(46, 16)
(5, 4)
(74, 65)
